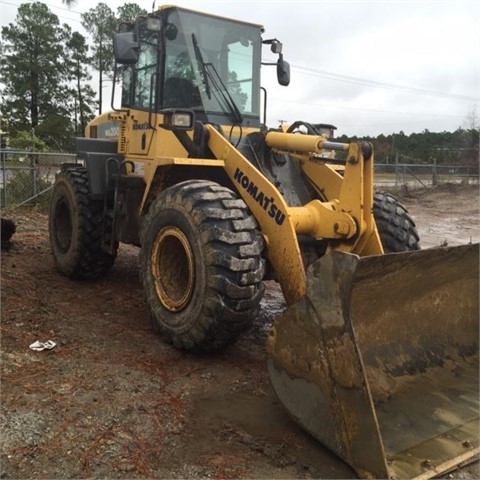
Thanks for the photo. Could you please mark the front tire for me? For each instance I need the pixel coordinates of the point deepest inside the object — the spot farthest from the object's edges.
(395, 226)
(201, 265)
(75, 228)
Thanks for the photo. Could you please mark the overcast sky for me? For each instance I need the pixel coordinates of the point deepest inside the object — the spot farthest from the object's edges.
(368, 67)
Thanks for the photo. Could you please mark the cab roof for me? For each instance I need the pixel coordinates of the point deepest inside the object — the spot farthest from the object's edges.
(175, 7)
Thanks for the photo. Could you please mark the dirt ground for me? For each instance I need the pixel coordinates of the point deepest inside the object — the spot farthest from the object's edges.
(111, 400)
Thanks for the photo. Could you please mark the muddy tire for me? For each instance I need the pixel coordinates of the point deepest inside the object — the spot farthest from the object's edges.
(75, 228)
(396, 227)
(201, 265)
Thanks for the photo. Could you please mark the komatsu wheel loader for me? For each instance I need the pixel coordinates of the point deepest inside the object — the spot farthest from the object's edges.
(377, 353)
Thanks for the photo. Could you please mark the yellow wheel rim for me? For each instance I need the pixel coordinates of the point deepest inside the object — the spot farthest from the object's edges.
(173, 268)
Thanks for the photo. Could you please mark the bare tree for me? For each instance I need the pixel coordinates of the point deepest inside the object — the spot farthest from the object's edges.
(472, 120)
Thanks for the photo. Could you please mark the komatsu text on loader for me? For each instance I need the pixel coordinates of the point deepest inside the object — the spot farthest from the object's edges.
(377, 353)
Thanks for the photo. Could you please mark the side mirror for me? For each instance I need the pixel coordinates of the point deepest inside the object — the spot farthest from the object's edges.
(283, 72)
(125, 48)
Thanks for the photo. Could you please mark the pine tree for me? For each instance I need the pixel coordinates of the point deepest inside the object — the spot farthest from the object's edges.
(128, 12)
(101, 23)
(33, 72)
(82, 93)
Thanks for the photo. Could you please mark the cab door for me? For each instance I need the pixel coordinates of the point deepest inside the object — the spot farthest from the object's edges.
(140, 86)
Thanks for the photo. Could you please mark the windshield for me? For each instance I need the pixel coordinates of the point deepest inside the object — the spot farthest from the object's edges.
(212, 64)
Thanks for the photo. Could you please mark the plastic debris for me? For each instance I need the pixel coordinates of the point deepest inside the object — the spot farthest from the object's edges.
(40, 346)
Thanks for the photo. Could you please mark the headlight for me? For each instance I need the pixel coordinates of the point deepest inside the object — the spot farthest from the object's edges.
(178, 119)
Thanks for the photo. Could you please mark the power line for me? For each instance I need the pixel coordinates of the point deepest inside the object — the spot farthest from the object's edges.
(331, 75)
(341, 107)
(373, 83)
(48, 4)
(52, 6)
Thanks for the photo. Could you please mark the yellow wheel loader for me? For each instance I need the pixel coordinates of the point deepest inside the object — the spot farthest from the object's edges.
(377, 353)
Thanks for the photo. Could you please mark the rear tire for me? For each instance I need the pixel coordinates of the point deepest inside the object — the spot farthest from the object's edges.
(201, 265)
(75, 228)
(395, 226)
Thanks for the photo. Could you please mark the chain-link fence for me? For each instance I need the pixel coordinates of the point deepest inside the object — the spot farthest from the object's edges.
(27, 177)
(400, 175)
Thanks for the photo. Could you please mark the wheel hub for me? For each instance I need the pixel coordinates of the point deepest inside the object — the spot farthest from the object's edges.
(173, 268)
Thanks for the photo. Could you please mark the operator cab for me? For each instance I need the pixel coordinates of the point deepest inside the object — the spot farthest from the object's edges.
(180, 59)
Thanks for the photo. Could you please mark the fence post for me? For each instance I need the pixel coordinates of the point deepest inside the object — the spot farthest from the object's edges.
(33, 166)
(434, 173)
(4, 179)
(396, 171)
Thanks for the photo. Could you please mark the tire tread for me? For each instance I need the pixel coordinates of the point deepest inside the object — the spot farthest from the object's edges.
(232, 248)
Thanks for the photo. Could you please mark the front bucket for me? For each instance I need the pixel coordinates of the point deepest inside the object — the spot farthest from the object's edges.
(379, 360)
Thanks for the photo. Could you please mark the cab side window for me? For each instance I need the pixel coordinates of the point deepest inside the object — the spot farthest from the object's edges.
(145, 75)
